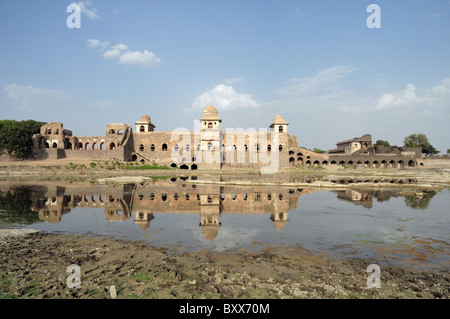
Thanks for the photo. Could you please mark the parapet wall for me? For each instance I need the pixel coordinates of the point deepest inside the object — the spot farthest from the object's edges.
(436, 162)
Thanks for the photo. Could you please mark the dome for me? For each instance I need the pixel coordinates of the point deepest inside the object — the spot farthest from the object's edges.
(278, 119)
(145, 119)
(211, 110)
(210, 113)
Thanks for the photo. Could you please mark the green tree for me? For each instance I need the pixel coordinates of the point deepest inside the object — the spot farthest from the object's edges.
(16, 137)
(420, 141)
(382, 143)
(416, 202)
(318, 151)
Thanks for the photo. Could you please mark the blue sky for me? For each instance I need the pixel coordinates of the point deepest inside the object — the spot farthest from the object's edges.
(316, 63)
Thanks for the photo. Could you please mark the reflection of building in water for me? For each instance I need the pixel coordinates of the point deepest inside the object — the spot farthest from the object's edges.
(365, 197)
(358, 197)
(172, 196)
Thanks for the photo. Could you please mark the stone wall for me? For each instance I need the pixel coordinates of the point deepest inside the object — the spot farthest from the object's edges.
(436, 162)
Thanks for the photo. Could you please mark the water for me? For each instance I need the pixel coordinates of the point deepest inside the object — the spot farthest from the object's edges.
(390, 226)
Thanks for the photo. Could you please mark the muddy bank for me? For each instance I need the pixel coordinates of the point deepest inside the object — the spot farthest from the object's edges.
(35, 267)
(329, 178)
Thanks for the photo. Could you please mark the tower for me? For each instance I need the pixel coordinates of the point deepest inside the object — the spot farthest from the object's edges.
(144, 125)
(211, 139)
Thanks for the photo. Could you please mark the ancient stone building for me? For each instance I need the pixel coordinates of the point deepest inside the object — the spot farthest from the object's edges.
(209, 147)
(361, 153)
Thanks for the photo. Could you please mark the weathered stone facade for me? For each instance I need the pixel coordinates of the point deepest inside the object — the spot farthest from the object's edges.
(361, 153)
(211, 148)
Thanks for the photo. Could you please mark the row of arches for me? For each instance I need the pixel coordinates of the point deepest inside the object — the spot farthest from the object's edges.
(232, 196)
(102, 146)
(351, 163)
(209, 146)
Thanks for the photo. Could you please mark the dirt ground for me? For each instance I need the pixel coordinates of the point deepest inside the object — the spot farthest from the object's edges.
(35, 266)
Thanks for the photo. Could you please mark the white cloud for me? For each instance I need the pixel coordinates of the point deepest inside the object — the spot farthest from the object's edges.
(103, 104)
(94, 43)
(324, 80)
(145, 59)
(88, 10)
(224, 98)
(111, 54)
(124, 55)
(120, 47)
(436, 96)
(30, 97)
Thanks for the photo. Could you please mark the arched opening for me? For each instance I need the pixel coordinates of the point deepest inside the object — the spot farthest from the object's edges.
(316, 163)
(80, 146)
(194, 167)
(324, 163)
(341, 163)
(57, 132)
(164, 147)
(112, 146)
(199, 147)
(95, 146)
(280, 129)
(120, 132)
(300, 160)
(176, 148)
(411, 163)
(188, 148)
(401, 164)
(350, 163)
(152, 147)
(49, 131)
(383, 164)
(102, 146)
(173, 165)
(269, 148)
(141, 147)
(210, 146)
(291, 152)
(209, 199)
(184, 166)
(142, 161)
(375, 164)
(134, 158)
(87, 146)
(280, 147)
(245, 148)
(142, 128)
(333, 162)
(392, 164)
(292, 161)
(308, 163)
(210, 125)
(54, 145)
(112, 131)
(69, 146)
(366, 164)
